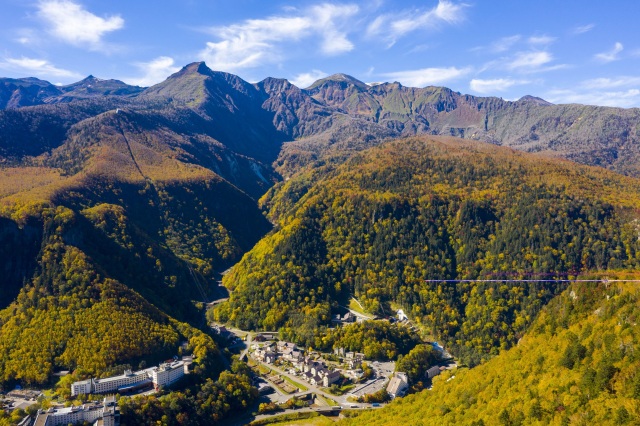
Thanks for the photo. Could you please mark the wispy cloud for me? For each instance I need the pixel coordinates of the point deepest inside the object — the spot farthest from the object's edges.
(611, 55)
(73, 24)
(623, 99)
(36, 67)
(529, 60)
(610, 83)
(494, 85)
(26, 36)
(392, 27)
(499, 46)
(308, 78)
(427, 76)
(255, 42)
(541, 40)
(581, 29)
(330, 21)
(505, 44)
(621, 91)
(153, 72)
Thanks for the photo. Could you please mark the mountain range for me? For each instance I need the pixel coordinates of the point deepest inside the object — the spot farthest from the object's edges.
(340, 113)
(121, 206)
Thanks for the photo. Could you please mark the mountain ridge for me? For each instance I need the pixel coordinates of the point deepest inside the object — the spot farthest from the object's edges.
(340, 104)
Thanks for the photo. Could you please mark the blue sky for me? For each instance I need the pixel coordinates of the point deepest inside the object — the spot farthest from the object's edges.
(565, 51)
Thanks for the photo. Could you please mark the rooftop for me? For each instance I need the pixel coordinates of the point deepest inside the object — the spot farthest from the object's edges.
(126, 374)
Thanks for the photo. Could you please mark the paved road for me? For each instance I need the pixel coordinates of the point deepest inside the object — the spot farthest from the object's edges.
(238, 421)
(342, 400)
(248, 345)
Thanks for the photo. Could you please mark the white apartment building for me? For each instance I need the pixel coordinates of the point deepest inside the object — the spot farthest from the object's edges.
(167, 373)
(164, 375)
(81, 387)
(105, 414)
(114, 383)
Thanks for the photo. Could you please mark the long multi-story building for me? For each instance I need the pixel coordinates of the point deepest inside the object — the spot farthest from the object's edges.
(129, 378)
(164, 375)
(105, 414)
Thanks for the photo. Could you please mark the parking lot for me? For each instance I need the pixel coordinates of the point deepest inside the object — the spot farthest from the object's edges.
(369, 387)
(383, 370)
(20, 399)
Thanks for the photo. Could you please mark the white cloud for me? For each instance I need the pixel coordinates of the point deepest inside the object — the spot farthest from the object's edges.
(541, 40)
(524, 62)
(501, 45)
(26, 36)
(427, 76)
(392, 27)
(623, 99)
(583, 28)
(153, 72)
(72, 23)
(417, 49)
(334, 39)
(494, 85)
(308, 78)
(610, 83)
(504, 44)
(622, 91)
(611, 55)
(255, 42)
(36, 67)
(529, 60)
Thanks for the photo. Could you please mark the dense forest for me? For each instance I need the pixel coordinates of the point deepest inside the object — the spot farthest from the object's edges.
(72, 315)
(577, 364)
(377, 340)
(434, 209)
(205, 404)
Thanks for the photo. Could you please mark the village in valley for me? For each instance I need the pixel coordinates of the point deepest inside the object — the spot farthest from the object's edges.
(289, 376)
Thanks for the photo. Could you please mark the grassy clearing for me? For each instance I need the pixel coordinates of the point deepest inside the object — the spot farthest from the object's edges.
(354, 305)
(300, 386)
(296, 419)
(328, 401)
(315, 421)
(341, 390)
(263, 370)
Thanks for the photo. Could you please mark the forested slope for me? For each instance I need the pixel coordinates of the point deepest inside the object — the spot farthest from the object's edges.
(433, 208)
(113, 239)
(578, 364)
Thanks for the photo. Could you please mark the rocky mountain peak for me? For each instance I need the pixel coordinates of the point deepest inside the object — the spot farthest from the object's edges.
(534, 100)
(342, 79)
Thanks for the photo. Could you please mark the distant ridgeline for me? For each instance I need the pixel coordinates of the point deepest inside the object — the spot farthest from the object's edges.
(120, 206)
